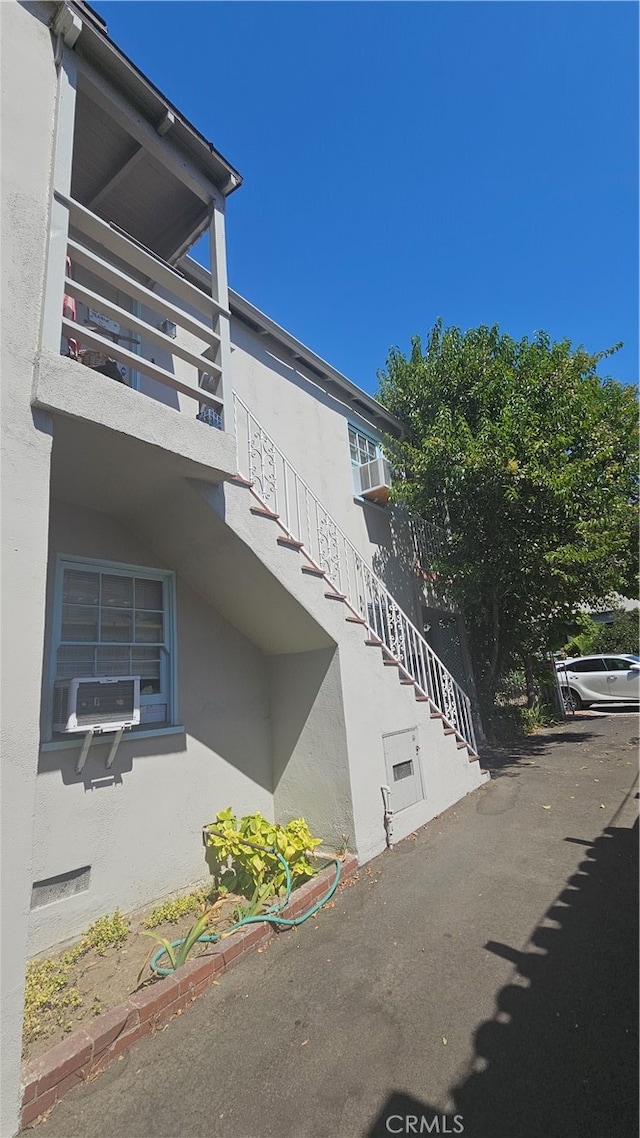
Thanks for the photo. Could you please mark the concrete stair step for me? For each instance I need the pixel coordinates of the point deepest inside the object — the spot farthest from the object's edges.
(290, 542)
(263, 512)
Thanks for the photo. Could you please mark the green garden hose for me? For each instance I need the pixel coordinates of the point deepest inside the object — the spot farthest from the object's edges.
(271, 917)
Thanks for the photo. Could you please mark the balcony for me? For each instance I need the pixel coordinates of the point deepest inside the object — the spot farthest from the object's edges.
(130, 318)
(110, 302)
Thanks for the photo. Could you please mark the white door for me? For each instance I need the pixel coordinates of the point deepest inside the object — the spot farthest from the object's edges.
(589, 678)
(623, 681)
(402, 758)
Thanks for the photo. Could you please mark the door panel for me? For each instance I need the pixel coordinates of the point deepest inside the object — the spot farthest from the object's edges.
(589, 679)
(402, 759)
(623, 682)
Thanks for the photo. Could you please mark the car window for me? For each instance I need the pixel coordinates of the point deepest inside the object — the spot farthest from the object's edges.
(613, 664)
(594, 665)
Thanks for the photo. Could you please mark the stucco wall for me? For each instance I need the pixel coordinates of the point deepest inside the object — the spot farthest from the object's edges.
(311, 428)
(373, 703)
(310, 754)
(28, 102)
(138, 826)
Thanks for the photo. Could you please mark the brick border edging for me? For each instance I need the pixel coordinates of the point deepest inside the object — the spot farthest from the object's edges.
(47, 1079)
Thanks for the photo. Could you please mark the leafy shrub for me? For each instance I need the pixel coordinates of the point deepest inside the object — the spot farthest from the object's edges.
(256, 874)
(511, 722)
(621, 636)
(537, 716)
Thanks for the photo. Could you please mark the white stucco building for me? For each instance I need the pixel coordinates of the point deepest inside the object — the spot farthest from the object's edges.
(194, 509)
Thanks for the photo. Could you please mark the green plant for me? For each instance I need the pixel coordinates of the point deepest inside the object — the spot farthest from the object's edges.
(47, 990)
(621, 636)
(172, 910)
(585, 633)
(537, 716)
(47, 986)
(239, 853)
(529, 460)
(239, 867)
(106, 932)
(178, 954)
(251, 908)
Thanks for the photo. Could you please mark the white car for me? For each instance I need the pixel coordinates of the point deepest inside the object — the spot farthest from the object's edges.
(599, 679)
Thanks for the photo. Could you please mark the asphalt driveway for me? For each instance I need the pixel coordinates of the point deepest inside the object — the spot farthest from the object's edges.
(480, 979)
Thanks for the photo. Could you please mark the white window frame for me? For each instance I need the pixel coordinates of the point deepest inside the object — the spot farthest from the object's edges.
(371, 441)
(168, 648)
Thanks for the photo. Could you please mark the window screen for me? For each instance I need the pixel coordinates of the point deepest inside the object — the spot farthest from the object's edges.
(116, 623)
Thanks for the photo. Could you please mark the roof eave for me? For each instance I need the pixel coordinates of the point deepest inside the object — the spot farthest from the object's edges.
(95, 45)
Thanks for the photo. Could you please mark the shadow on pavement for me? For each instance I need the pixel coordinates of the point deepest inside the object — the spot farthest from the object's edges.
(495, 757)
(559, 1057)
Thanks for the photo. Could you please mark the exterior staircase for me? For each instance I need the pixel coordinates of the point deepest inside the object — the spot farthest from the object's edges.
(279, 494)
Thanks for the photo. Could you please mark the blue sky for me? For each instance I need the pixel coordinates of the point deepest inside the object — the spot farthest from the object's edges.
(404, 161)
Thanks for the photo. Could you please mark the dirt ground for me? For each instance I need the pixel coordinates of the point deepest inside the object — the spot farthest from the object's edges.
(106, 980)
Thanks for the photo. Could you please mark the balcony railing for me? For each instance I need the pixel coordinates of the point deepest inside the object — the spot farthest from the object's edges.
(118, 293)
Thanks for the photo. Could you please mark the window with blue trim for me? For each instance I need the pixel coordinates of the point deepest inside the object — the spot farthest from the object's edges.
(117, 621)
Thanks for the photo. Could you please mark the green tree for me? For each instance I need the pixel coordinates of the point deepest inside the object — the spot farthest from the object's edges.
(529, 461)
(620, 636)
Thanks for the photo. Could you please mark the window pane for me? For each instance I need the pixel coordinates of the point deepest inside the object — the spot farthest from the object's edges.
(114, 662)
(116, 624)
(80, 587)
(74, 662)
(148, 594)
(594, 665)
(361, 448)
(145, 663)
(149, 628)
(79, 622)
(613, 665)
(117, 592)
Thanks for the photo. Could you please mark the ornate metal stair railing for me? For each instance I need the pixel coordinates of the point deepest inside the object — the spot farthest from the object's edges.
(282, 490)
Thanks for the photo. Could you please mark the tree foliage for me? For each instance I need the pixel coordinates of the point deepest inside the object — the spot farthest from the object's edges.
(620, 635)
(529, 461)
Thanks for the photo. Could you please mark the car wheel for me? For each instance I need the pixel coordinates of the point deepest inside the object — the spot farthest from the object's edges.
(572, 701)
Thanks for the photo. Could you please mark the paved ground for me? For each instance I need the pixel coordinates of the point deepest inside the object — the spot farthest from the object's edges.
(485, 970)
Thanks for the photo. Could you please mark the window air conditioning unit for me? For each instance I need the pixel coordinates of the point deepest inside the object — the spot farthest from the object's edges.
(375, 480)
(96, 703)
